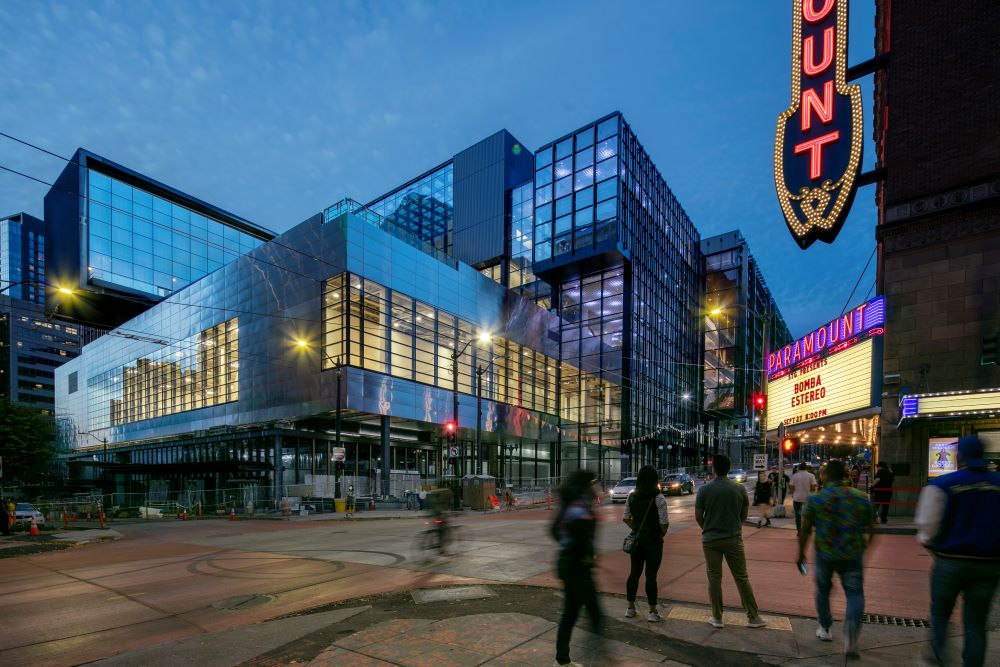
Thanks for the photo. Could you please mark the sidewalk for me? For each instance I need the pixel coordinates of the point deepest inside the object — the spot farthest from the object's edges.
(515, 625)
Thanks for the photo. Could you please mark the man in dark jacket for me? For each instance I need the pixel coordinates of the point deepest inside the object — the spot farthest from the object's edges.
(574, 528)
(958, 520)
(882, 489)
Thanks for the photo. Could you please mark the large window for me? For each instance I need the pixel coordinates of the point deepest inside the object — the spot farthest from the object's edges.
(198, 372)
(389, 332)
(424, 208)
(576, 191)
(147, 243)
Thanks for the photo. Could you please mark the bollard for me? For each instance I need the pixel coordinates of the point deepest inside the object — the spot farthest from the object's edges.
(65, 519)
(548, 498)
(88, 517)
(100, 517)
(199, 510)
(73, 518)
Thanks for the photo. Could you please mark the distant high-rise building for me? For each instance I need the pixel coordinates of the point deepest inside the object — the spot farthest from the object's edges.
(22, 257)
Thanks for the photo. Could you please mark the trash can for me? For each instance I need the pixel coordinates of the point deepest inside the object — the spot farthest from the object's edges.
(477, 489)
(340, 505)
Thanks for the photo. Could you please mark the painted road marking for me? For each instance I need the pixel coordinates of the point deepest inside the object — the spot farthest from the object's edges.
(730, 618)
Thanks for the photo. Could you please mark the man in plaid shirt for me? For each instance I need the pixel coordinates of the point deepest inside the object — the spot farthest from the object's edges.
(842, 517)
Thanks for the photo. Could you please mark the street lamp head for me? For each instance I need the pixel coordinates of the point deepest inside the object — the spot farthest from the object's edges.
(301, 343)
(716, 311)
(686, 396)
(66, 290)
(485, 336)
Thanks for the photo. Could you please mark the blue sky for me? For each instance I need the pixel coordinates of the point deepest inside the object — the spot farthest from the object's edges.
(276, 110)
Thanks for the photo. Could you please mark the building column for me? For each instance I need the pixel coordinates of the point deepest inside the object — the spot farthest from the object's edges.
(385, 456)
(278, 472)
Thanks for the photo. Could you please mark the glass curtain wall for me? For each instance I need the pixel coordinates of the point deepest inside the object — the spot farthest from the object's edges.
(722, 288)
(424, 208)
(149, 244)
(390, 332)
(197, 372)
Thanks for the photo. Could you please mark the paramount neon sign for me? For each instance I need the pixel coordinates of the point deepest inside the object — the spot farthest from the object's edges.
(818, 144)
(835, 336)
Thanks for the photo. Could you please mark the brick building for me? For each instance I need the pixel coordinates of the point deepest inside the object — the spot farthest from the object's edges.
(937, 134)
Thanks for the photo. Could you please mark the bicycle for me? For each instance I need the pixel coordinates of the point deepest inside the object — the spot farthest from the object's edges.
(438, 539)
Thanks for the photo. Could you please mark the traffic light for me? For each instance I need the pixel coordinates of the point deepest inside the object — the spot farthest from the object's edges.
(451, 432)
(989, 353)
(760, 402)
(789, 446)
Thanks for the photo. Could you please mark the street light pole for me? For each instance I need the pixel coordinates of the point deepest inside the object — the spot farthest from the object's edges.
(484, 337)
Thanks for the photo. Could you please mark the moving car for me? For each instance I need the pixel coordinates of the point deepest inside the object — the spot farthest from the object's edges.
(677, 483)
(24, 511)
(739, 476)
(622, 489)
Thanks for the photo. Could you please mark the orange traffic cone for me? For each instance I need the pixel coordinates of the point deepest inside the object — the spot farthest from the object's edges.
(548, 499)
(65, 519)
(101, 518)
(185, 515)
(232, 515)
(34, 527)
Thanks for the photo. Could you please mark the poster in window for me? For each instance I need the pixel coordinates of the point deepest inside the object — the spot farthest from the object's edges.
(942, 456)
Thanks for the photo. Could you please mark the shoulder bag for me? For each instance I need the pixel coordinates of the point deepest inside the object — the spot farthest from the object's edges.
(628, 546)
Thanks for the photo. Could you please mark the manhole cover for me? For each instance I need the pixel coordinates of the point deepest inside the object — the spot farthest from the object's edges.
(243, 602)
(424, 595)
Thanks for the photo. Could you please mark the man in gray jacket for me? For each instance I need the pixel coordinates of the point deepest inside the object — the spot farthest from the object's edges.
(720, 509)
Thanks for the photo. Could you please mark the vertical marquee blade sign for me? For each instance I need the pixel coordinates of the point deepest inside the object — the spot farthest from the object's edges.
(817, 150)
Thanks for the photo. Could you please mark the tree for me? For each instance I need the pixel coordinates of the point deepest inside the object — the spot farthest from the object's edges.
(27, 444)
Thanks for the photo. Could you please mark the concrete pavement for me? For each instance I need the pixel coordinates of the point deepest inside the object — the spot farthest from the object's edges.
(172, 581)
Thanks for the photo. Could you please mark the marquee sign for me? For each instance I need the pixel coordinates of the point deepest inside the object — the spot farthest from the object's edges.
(826, 387)
(864, 321)
(818, 143)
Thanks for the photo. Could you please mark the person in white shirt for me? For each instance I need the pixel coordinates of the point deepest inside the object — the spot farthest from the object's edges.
(803, 483)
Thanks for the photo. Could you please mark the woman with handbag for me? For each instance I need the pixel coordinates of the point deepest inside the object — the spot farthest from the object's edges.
(646, 515)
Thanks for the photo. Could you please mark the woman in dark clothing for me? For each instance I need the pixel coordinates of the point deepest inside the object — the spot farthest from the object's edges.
(762, 498)
(574, 529)
(646, 513)
(882, 489)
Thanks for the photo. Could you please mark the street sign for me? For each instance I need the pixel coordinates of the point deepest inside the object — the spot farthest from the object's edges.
(453, 452)
(760, 461)
(781, 431)
(339, 454)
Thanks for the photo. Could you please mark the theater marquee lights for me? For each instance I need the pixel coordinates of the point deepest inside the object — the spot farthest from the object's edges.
(828, 372)
(818, 144)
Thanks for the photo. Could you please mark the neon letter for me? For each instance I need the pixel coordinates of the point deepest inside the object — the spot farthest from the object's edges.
(811, 14)
(811, 102)
(808, 344)
(809, 65)
(848, 326)
(815, 148)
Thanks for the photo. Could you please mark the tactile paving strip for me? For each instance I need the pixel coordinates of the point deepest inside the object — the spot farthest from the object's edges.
(729, 618)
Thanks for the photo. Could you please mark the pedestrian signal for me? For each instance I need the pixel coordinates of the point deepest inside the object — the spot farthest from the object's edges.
(789, 445)
(760, 401)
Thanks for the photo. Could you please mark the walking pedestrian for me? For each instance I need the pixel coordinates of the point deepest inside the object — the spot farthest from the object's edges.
(574, 529)
(721, 507)
(803, 484)
(762, 498)
(843, 520)
(882, 489)
(957, 521)
(650, 526)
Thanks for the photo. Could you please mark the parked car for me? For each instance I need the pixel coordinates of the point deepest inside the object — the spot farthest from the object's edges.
(739, 476)
(677, 483)
(24, 511)
(622, 490)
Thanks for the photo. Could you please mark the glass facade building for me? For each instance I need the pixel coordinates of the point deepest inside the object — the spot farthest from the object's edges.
(334, 357)
(126, 241)
(623, 259)
(740, 323)
(22, 257)
(149, 244)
